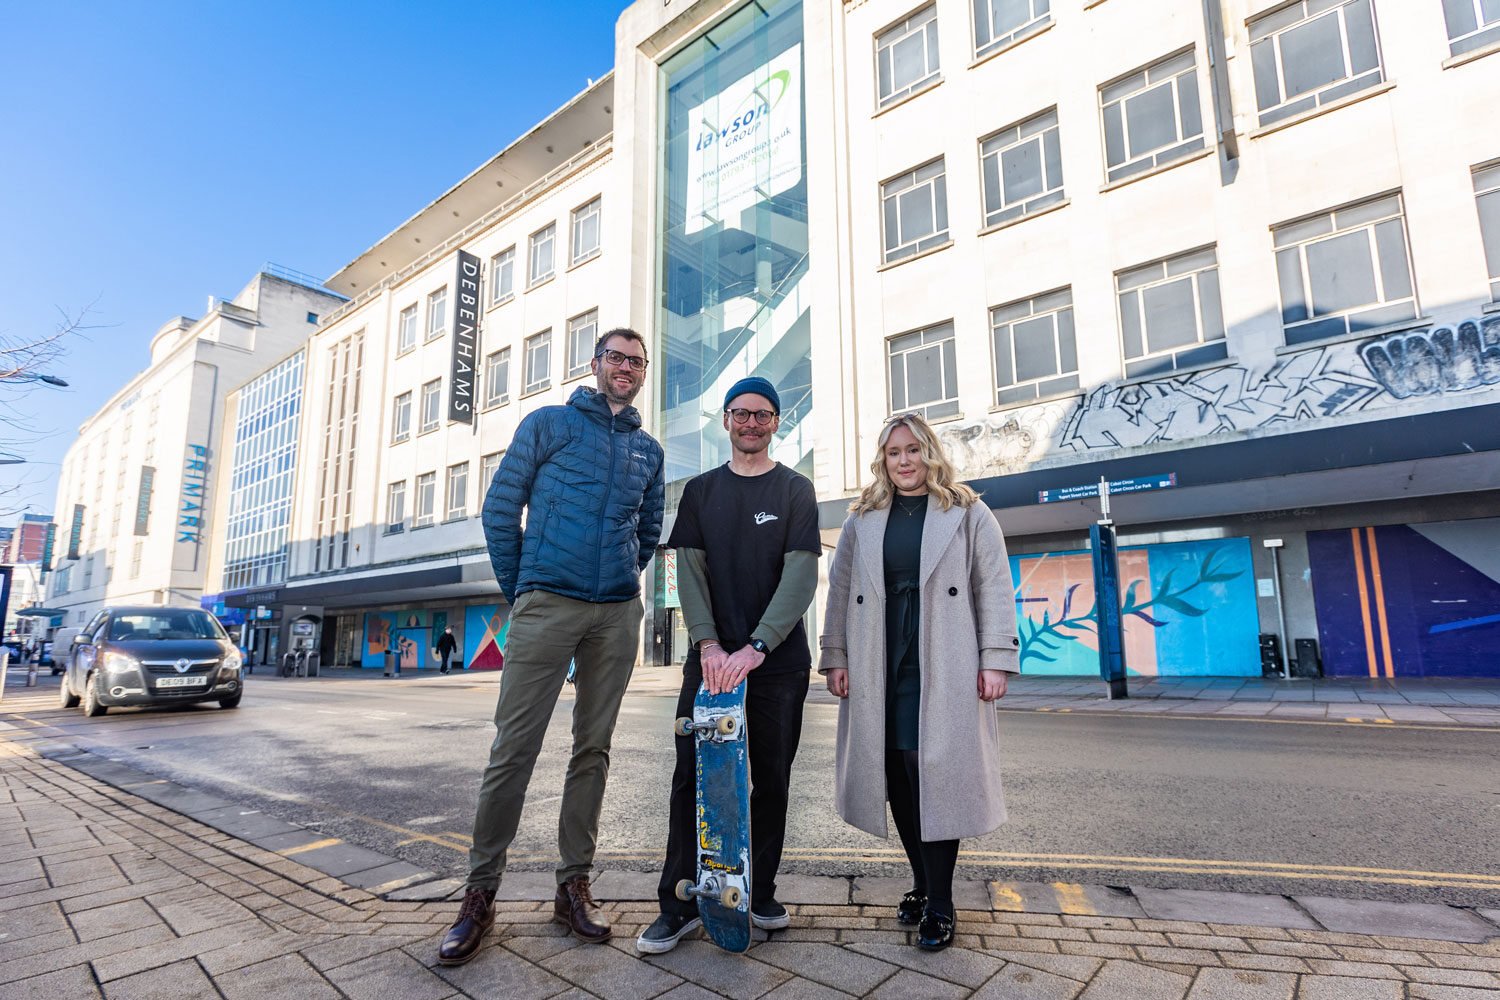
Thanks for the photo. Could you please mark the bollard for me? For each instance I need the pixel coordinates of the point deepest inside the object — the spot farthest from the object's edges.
(390, 663)
(31, 670)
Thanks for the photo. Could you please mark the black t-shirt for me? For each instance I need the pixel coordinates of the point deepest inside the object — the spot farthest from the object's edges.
(745, 525)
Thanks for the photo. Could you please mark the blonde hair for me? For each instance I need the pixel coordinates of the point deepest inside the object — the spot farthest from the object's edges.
(942, 482)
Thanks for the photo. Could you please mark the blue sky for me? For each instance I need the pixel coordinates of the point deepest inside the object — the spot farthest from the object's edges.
(155, 153)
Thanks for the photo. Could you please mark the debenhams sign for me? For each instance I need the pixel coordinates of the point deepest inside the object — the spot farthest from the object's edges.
(462, 379)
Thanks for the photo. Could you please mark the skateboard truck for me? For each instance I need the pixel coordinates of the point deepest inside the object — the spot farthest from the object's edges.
(713, 887)
(718, 728)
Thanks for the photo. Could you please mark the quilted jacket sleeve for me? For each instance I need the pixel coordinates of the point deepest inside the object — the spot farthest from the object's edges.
(507, 495)
(652, 507)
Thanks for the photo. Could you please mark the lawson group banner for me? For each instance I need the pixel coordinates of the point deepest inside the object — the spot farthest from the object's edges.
(1189, 609)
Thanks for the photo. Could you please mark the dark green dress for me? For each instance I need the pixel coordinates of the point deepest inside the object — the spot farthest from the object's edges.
(903, 560)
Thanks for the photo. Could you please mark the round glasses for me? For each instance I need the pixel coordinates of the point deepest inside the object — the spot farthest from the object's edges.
(618, 358)
(742, 416)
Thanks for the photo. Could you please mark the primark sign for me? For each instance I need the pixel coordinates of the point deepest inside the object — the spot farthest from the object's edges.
(190, 509)
(462, 380)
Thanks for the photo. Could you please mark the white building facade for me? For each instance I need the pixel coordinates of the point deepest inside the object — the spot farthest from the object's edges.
(136, 484)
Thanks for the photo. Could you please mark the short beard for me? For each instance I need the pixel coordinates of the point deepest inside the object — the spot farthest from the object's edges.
(607, 387)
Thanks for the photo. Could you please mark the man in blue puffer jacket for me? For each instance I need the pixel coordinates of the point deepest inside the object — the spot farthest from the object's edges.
(590, 480)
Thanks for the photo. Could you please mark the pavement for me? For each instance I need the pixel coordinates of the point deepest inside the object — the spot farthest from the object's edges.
(116, 883)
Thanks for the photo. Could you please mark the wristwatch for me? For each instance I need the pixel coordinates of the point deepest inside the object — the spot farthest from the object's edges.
(759, 645)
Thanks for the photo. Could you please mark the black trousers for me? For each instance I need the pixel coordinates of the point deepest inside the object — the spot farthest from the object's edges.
(932, 861)
(773, 724)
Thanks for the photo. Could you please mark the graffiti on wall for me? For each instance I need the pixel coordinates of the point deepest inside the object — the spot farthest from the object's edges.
(1188, 609)
(485, 628)
(1330, 381)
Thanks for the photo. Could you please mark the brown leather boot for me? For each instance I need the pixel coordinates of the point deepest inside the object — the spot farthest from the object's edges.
(475, 916)
(575, 907)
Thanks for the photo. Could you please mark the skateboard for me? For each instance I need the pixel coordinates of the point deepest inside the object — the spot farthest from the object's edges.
(721, 746)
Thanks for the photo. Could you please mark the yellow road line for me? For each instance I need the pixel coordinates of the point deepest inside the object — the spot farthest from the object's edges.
(1007, 899)
(315, 845)
(1072, 898)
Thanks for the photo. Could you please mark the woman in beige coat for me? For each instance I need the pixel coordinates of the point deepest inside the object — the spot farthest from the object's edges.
(919, 640)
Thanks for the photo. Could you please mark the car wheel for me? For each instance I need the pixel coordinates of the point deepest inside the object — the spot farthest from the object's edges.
(233, 701)
(66, 698)
(92, 706)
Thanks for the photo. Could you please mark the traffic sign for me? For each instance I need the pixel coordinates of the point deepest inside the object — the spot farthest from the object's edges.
(1165, 481)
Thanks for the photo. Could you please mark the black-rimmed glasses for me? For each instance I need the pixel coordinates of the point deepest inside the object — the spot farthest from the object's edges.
(618, 358)
(742, 416)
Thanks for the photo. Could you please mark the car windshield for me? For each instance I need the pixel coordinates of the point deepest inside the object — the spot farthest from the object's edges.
(165, 624)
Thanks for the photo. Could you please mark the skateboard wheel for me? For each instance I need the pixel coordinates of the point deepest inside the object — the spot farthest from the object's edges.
(730, 897)
(684, 890)
(727, 725)
(683, 726)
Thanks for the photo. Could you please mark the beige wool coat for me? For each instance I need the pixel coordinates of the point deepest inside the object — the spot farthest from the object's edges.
(968, 623)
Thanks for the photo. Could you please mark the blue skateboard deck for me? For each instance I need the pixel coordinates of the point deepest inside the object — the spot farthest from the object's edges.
(721, 746)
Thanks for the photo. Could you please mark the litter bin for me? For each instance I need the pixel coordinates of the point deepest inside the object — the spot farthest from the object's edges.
(1307, 663)
(1270, 654)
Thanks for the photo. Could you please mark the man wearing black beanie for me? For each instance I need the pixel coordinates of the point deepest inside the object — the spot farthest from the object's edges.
(747, 546)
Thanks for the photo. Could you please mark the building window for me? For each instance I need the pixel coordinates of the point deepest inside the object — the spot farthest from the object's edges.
(924, 372)
(1487, 197)
(1345, 271)
(437, 313)
(538, 362)
(497, 377)
(458, 491)
(915, 211)
(503, 276)
(586, 231)
(406, 329)
(1308, 55)
(582, 332)
(541, 255)
(135, 558)
(312, 318)
(426, 500)
(395, 507)
(401, 418)
(998, 23)
(1036, 354)
(906, 56)
(488, 466)
(432, 399)
(1170, 316)
(1472, 24)
(1151, 117)
(1022, 169)
(340, 419)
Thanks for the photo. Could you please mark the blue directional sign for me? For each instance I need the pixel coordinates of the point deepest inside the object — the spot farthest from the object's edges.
(1162, 482)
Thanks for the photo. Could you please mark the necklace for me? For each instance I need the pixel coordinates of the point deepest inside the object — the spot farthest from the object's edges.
(910, 505)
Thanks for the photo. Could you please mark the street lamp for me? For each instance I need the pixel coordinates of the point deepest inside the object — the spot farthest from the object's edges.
(37, 377)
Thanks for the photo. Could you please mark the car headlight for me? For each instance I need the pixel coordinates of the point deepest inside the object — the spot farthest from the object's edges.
(231, 663)
(119, 662)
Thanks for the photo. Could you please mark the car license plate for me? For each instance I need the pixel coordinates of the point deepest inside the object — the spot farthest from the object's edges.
(181, 682)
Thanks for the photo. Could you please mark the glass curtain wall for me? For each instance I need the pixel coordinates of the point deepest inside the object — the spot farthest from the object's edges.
(732, 245)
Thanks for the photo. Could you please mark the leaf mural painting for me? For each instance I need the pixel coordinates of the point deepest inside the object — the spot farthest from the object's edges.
(1189, 608)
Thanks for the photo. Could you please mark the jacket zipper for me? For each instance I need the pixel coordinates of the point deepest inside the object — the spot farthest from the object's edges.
(604, 507)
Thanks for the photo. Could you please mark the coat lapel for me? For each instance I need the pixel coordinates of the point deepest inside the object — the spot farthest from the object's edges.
(937, 533)
(871, 545)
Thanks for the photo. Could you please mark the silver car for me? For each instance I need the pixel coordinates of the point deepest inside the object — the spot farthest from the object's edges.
(150, 656)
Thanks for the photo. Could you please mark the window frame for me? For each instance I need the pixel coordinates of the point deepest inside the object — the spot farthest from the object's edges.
(1484, 34)
(458, 473)
(395, 503)
(1323, 95)
(504, 261)
(1163, 361)
(407, 316)
(426, 481)
(999, 43)
(487, 471)
(439, 299)
(909, 181)
(1486, 178)
(573, 342)
(533, 277)
(423, 427)
(528, 387)
(398, 432)
(887, 38)
(1185, 145)
(576, 217)
(1064, 380)
(1048, 196)
(1295, 332)
(493, 399)
(947, 345)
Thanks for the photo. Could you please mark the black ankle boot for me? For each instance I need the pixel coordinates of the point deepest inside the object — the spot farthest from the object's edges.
(935, 932)
(909, 910)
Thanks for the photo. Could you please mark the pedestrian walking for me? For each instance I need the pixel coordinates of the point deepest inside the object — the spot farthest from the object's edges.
(919, 639)
(446, 644)
(590, 480)
(747, 546)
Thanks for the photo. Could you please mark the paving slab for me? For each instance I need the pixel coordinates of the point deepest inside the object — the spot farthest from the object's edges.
(536, 887)
(183, 980)
(1064, 897)
(390, 974)
(609, 973)
(812, 890)
(1347, 988)
(907, 984)
(287, 840)
(494, 972)
(1412, 920)
(340, 859)
(1120, 980)
(427, 892)
(827, 964)
(734, 976)
(237, 821)
(1248, 909)
(1077, 967)
(1242, 984)
(873, 890)
(392, 875)
(804, 989)
(74, 983)
(619, 886)
(287, 976)
(969, 969)
(1020, 982)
